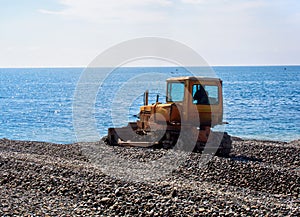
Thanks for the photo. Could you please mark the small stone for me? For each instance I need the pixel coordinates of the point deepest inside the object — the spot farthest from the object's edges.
(118, 192)
(105, 199)
(201, 209)
(174, 193)
(150, 212)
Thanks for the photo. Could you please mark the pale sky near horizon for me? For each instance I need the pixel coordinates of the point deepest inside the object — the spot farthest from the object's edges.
(55, 33)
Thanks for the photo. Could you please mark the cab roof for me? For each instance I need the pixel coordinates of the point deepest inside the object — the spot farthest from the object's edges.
(194, 78)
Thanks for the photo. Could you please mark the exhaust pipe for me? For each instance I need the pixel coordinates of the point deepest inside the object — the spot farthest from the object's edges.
(146, 94)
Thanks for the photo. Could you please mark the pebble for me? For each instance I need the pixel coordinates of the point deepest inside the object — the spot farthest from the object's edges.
(43, 179)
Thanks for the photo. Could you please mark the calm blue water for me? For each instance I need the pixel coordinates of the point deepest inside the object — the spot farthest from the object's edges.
(36, 104)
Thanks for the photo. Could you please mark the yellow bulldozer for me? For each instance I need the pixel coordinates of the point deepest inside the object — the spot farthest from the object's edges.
(193, 106)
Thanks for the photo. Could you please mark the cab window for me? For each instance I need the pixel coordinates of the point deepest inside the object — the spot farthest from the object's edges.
(205, 94)
(175, 92)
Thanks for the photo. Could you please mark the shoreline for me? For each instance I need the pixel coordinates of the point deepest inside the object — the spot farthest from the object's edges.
(233, 137)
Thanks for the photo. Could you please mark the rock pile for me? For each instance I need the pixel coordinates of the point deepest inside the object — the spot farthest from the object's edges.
(259, 178)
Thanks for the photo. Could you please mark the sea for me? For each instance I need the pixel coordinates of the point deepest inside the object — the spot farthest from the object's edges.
(37, 104)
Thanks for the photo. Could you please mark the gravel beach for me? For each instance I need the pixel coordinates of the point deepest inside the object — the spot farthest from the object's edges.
(260, 178)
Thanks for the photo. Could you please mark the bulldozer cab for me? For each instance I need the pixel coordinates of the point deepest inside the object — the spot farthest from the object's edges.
(198, 98)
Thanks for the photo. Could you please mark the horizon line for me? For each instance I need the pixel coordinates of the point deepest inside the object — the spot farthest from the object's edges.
(139, 66)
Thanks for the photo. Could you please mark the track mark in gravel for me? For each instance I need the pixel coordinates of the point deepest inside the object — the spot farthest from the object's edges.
(48, 180)
(237, 194)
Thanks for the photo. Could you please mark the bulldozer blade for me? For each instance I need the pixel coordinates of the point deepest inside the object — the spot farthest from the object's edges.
(137, 144)
(124, 136)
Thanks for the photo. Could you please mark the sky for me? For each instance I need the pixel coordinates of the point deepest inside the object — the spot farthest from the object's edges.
(71, 33)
